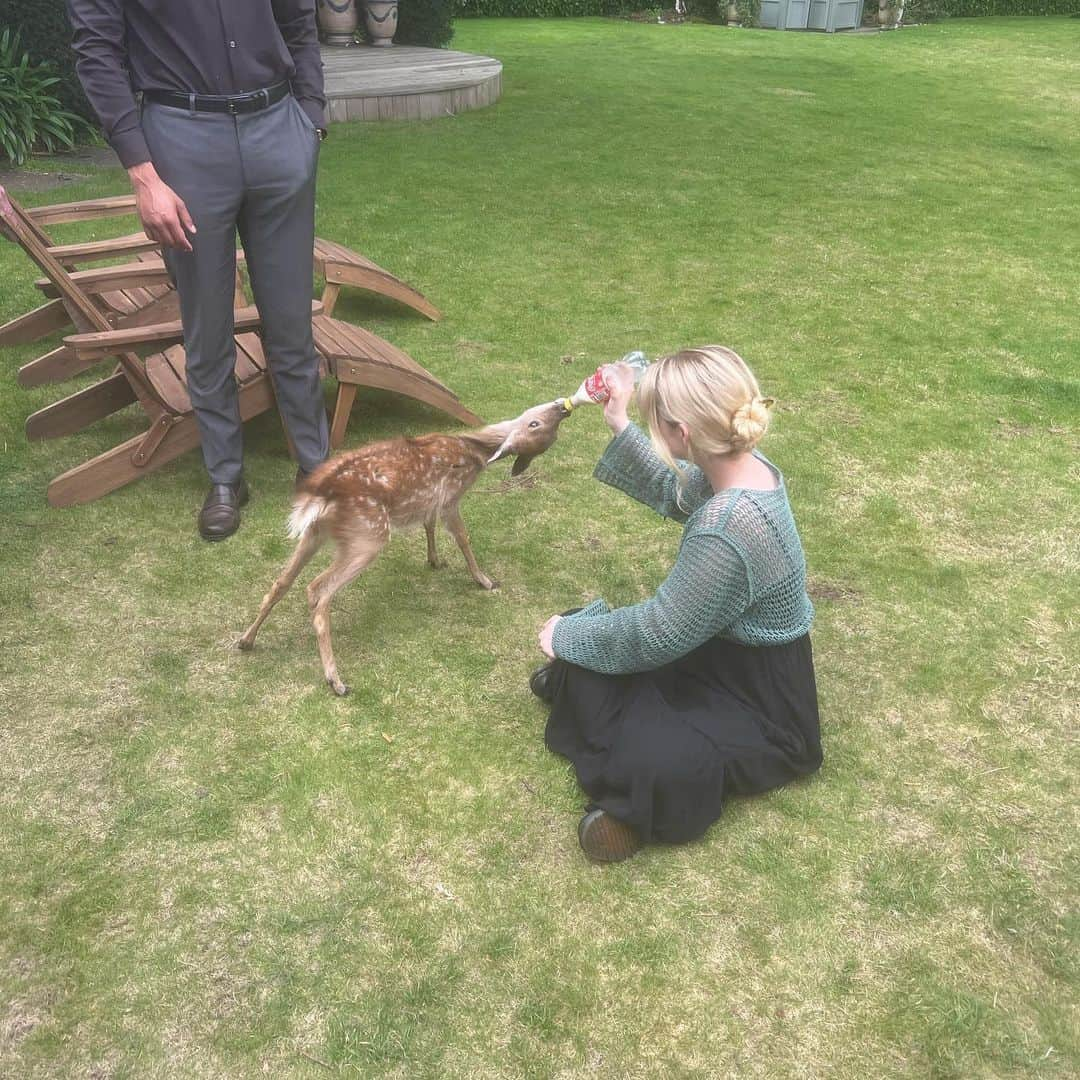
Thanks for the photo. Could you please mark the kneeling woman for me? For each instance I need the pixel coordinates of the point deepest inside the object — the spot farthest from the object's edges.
(707, 689)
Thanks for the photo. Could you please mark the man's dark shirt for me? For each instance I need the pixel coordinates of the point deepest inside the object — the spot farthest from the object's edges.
(194, 46)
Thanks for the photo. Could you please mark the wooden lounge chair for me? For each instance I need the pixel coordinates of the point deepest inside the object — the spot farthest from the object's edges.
(151, 373)
(139, 305)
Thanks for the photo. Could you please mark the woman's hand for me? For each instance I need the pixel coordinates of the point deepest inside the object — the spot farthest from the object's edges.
(619, 380)
(546, 632)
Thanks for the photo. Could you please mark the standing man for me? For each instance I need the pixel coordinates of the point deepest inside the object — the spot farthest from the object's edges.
(226, 139)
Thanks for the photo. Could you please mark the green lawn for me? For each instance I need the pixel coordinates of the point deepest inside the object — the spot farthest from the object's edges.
(211, 867)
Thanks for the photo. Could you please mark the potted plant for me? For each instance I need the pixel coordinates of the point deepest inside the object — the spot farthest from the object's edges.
(337, 21)
(380, 21)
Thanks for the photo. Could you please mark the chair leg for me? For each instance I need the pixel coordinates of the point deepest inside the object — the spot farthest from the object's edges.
(81, 409)
(35, 324)
(330, 297)
(55, 366)
(116, 467)
(343, 403)
(382, 282)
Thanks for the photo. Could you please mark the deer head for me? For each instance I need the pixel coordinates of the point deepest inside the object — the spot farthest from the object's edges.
(533, 432)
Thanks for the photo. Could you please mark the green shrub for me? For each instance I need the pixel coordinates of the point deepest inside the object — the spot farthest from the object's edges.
(534, 9)
(46, 36)
(921, 11)
(425, 22)
(30, 113)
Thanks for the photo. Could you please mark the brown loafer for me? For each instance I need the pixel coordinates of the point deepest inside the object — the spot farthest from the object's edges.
(220, 513)
(607, 839)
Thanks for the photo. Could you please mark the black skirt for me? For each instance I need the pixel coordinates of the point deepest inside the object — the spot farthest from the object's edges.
(662, 750)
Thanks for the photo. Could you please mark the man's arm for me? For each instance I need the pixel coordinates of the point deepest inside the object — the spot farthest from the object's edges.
(100, 47)
(296, 21)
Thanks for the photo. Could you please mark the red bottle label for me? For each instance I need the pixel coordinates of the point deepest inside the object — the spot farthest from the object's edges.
(595, 388)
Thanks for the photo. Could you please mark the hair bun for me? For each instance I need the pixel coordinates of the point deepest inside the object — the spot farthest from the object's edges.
(748, 423)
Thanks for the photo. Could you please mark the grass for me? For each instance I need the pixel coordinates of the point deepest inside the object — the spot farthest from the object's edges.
(211, 867)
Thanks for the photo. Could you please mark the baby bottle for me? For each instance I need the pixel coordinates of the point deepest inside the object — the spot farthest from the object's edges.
(594, 389)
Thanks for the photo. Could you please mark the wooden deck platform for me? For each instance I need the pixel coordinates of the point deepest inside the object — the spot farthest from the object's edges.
(406, 82)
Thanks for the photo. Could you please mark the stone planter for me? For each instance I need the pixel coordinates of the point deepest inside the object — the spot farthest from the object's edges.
(380, 21)
(337, 21)
(890, 14)
(732, 14)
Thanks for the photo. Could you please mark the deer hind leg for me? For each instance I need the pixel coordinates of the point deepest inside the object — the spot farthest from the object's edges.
(432, 556)
(353, 556)
(309, 543)
(456, 527)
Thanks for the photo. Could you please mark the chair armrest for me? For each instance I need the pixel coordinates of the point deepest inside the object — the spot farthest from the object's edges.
(83, 210)
(104, 249)
(106, 278)
(156, 337)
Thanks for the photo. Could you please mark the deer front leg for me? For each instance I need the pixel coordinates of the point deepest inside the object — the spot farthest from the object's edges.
(310, 542)
(432, 556)
(456, 527)
(347, 565)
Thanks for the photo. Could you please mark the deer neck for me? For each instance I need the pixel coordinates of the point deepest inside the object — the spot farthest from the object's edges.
(487, 440)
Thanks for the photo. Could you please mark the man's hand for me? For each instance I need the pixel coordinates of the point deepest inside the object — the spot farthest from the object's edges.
(545, 636)
(162, 212)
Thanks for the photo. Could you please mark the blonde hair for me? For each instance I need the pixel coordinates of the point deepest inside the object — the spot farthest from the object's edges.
(710, 390)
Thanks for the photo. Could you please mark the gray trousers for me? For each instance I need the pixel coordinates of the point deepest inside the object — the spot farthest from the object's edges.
(254, 173)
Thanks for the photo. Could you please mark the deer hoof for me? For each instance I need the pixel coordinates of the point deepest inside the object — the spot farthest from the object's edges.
(246, 644)
(488, 584)
(437, 564)
(338, 687)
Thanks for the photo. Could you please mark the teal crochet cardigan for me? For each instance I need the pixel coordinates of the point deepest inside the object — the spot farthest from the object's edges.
(740, 573)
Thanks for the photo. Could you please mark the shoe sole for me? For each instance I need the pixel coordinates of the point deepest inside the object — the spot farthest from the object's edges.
(606, 839)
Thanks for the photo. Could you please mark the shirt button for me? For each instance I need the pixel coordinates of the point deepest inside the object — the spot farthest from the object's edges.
(232, 44)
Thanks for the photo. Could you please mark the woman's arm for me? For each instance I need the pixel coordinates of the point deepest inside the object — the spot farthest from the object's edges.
(707, 589)
(631, 465)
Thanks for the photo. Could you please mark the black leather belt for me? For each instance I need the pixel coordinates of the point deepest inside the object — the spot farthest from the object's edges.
(220, 103)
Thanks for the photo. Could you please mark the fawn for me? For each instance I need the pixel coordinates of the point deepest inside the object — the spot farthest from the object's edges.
(356, 498)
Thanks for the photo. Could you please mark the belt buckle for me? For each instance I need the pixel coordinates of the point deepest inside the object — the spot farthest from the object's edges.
(230, 107)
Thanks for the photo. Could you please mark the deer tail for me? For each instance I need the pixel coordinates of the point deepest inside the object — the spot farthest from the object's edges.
(306, 511)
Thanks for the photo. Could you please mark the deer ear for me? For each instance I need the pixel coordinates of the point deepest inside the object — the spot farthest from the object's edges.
(504, 451)
(521, 463)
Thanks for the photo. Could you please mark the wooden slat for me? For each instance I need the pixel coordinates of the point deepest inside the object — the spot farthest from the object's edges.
(144, 339)
(104, 249)
(107, 278)
(80, 409)
(83, 210)
(250, 359)
(35, 324)
(167, 373)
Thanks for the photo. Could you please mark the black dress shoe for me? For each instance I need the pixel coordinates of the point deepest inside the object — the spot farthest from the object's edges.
(540, 684)
(220, 514)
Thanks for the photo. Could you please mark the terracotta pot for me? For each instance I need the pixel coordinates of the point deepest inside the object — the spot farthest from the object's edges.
(732, 14)
(380, 19)
(337, 21)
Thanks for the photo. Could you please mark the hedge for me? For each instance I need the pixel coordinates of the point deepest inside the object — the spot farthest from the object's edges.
(921, 11)
(424, 22)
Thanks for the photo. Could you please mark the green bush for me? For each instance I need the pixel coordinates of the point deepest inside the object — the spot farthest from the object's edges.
(425, 22)
(46, 36)
(30, 113)
(921, 11)
(534, 9)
